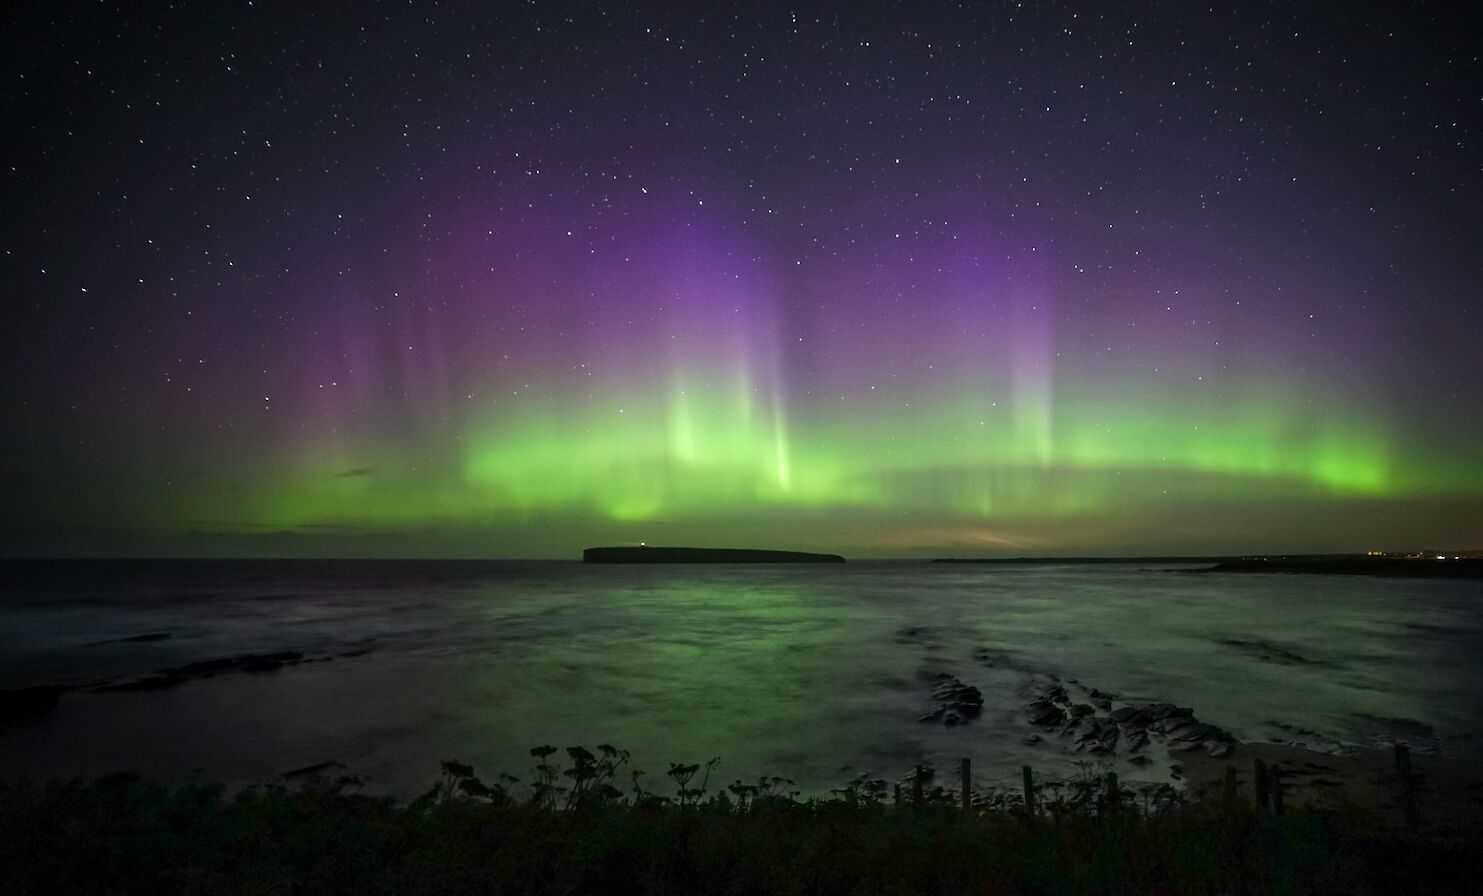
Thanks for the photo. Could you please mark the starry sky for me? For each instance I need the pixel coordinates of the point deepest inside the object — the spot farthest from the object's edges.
(508, 280)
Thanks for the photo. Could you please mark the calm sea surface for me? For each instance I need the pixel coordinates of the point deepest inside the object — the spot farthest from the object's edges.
(813, 672)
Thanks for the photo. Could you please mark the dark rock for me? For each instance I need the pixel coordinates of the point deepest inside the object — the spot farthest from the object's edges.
(1128, 715)
(1043, 714)
(1218, 748)
(1197, 731)
(959, 702)
(1267, 652)
(919, 635)
(1098, 736)
(957, 692)
(30, 704)
(263, 662)
(1137, 741)
(1174, 726)
(132, 639)
(1032, 740)
(1081, 710)
(993, 657)
(1140, 760)
(152, 683)
(1160, 711)
(315, 770)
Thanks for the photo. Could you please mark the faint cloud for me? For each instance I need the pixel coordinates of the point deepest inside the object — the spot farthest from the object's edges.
(357, 472)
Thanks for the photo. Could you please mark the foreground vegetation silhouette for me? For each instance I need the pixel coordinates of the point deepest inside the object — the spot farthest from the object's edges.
(589, 824)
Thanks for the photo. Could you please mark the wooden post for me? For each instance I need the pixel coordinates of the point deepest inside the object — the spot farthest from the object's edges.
(1029, 792)
(1407, 782)
(916, 788)
(1259, 776)
(967, 784)
(1228, 795)
(1275, 785)
(897, 792)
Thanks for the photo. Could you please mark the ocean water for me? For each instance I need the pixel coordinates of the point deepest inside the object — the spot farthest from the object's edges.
(816, 673)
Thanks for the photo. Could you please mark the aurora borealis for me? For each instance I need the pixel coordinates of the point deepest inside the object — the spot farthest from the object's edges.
(901, 281)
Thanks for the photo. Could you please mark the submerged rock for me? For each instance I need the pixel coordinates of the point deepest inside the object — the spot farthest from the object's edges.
(151, 683)
(250, 662)
(1268, 652)
(177, 675)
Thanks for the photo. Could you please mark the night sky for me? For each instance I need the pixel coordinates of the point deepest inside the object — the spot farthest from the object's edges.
(511, 280)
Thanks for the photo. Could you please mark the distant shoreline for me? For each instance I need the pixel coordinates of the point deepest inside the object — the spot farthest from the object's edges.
(1420, 567)
(1076, 561)
(1396, 567)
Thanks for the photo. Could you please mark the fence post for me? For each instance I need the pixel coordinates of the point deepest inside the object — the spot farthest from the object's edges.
(1029, 777)
(897, 792)
(967, 784)
(1228, 795)
(1275, 784)
(1259, 774)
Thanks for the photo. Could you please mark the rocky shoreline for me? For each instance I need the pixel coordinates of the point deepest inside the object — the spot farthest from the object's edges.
(27, 705)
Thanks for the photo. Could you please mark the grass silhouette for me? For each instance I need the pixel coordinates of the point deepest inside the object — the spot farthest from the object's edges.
(571, 829)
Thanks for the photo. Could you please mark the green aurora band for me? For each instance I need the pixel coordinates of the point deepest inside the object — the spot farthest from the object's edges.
(629, 459)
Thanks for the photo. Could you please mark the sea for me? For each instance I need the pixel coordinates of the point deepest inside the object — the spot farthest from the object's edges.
(814, 673)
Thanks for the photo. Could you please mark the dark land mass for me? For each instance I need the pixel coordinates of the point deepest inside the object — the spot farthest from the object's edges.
(1398, 567)
(1062, 561)
(1423, 566)
(701, 555)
